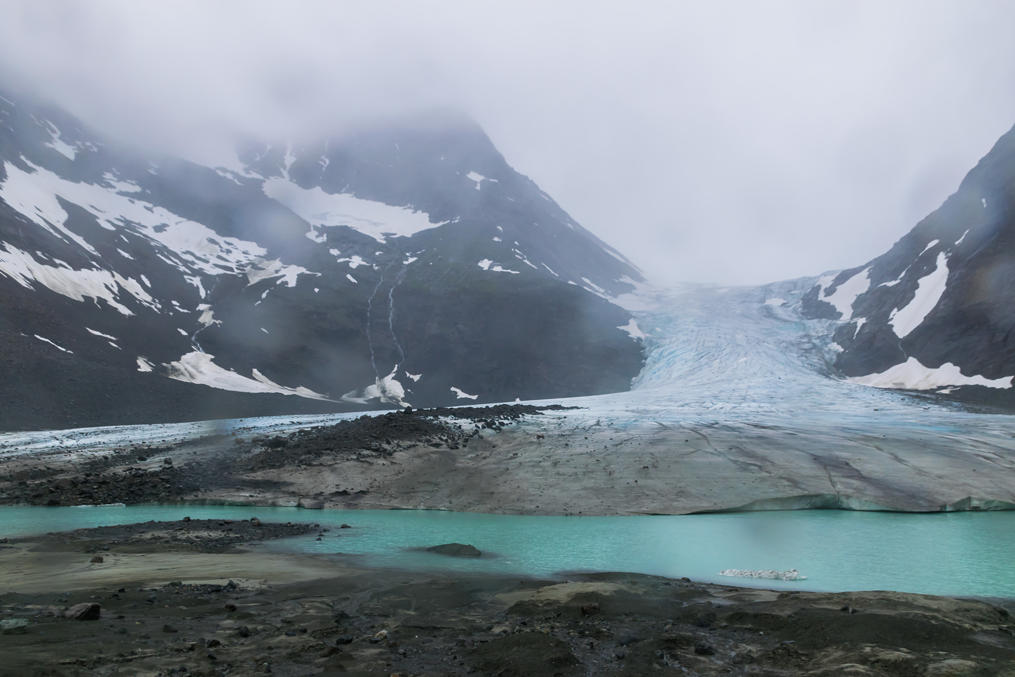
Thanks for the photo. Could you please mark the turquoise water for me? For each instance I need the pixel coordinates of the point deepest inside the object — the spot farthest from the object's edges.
(946, 554)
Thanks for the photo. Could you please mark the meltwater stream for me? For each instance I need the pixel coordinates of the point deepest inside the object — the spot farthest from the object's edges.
(965, 554)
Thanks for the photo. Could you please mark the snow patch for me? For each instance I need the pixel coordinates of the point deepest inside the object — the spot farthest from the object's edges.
(462, 395)
(59, 145)
(263, 270)
(53, 343)
(143, 365)
(77, 285)
(478, 178)
(200, 368)
(929, 290)
(99, 333)
(415, 377)
(351, 278)
(387, 389)
(322, 209)
(632, 330)
(845, 294)
(487, 264)
(913, 375)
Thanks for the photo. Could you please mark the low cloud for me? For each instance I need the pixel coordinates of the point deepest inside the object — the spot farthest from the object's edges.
(711, 141)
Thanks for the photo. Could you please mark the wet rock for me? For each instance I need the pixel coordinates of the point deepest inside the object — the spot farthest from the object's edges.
(97, 559)
(456, 550)
(954, 667)
(243, 631)
(86, 611)
(704, 649)
(14, 626)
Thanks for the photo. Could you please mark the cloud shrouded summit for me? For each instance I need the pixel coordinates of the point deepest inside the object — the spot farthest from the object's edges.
(707, 141)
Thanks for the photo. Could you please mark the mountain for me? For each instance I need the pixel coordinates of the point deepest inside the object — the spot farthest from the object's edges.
(403, 263)
(936, 312)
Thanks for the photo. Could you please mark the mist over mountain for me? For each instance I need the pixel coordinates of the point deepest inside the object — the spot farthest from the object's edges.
(401, 263)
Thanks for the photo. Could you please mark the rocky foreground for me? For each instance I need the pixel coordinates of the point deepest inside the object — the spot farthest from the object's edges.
(186, 598)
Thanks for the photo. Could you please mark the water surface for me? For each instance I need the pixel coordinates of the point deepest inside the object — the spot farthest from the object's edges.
(944, 554)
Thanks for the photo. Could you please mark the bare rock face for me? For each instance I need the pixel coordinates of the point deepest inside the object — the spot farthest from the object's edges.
(934, 312)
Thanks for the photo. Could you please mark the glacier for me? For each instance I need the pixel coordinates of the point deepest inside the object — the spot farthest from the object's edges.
(737, 408)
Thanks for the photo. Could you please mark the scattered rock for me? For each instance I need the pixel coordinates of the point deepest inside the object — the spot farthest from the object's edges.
(456, 550)
(86, 611)
(953, 667)
(97, 559)
(14, 626)
(703, 649)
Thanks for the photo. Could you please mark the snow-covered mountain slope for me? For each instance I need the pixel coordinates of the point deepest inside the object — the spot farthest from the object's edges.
(403, 264)
(936, 311)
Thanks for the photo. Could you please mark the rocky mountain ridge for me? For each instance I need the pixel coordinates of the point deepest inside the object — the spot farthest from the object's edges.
(401, 264)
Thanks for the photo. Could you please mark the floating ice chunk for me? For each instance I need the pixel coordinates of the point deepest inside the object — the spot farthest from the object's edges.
(929, 290)
(912, 375)
(772, 574)
(53, 343)
(632, 330)
(462, 395)
(320, 209)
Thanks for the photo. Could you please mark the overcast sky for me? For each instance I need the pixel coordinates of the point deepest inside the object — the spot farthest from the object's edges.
(731, 142)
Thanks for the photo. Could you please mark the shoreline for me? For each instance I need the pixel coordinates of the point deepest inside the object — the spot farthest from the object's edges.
(249, 611)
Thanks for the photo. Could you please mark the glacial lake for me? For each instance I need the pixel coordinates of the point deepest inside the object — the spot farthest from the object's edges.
(971, 553)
